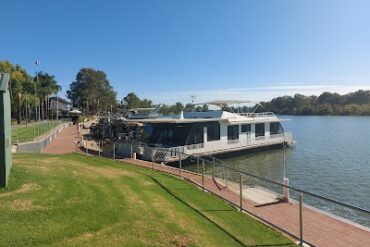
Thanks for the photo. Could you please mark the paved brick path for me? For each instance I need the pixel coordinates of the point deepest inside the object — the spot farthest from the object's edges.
(318, 229)
(64, 142)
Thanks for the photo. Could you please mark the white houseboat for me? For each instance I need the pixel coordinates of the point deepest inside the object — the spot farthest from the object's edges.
(207, 133)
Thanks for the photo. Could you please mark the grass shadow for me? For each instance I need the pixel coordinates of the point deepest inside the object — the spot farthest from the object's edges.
(199, 212)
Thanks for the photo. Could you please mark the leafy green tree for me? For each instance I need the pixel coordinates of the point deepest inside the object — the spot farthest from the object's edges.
(92, 91)
(133, 101)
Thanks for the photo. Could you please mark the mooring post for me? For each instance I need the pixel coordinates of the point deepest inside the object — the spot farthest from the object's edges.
(241, 192)
(203, 168)
(198, 165)
(301, 220)
(114, 150)
(180, 165)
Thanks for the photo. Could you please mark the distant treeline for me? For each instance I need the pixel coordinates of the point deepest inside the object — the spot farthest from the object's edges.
(356, 103)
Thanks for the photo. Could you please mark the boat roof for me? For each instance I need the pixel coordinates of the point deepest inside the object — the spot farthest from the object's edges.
(222, 103)
(214, 116)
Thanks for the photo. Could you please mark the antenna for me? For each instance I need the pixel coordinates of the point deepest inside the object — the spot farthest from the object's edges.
(193, 98)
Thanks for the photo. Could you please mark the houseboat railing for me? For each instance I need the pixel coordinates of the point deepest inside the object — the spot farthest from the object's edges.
(258, 115)
(172, 153)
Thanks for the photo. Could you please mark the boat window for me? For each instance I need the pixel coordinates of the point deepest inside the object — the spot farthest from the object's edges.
(196, 135)
(167, 135)
(213, 131)
(246, 128)
(233, 132)
(148, 131)
(276, 128)
(260, 129)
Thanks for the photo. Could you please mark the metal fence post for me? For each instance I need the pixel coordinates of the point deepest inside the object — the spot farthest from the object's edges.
(114, 150)
(227, 176)
(301, 220)
(99, 146)
(180, 165)
(131, 151)
(34, 133)
(203, 174)
(153, 161)
(214, 167)
(198, 165)
(241, 192)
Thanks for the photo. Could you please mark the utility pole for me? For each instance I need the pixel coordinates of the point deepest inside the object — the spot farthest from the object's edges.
(57, 107)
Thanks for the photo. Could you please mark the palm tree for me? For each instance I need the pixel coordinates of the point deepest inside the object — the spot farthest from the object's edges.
(47, 86)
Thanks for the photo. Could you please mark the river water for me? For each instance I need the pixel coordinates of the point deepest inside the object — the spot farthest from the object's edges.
(331, 157)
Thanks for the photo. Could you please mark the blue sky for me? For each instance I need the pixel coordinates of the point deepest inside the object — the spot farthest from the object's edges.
(167, 50)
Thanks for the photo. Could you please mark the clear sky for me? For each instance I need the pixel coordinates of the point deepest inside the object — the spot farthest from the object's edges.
(167, 50)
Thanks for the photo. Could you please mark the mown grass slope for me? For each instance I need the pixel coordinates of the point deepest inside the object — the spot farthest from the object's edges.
(75, 200)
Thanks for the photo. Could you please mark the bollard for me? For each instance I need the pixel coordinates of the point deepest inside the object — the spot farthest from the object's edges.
(286, 189)
(198, 165)
(203, 174)
(301, 220)
(114, 150)
(180, 165)
(134, 156)
(241, 192)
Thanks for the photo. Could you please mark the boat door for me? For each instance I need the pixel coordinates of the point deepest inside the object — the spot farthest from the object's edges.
(248, 137)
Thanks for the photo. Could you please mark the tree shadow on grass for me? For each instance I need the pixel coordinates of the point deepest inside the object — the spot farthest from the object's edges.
(199, 212)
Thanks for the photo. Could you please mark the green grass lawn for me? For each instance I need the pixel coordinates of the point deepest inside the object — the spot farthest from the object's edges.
(28, 133)
(75, 200)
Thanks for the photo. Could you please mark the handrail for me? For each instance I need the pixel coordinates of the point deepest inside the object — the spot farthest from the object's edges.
(202, 158)
(284, 185)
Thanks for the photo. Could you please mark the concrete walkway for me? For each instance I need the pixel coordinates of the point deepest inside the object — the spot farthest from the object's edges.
(64, 142)
(319, 229)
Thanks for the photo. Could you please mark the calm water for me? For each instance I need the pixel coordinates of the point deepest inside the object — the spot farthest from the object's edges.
(331, 157)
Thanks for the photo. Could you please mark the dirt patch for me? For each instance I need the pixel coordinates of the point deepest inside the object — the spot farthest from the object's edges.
(24, 188)
(107, 172)
(24, 204)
